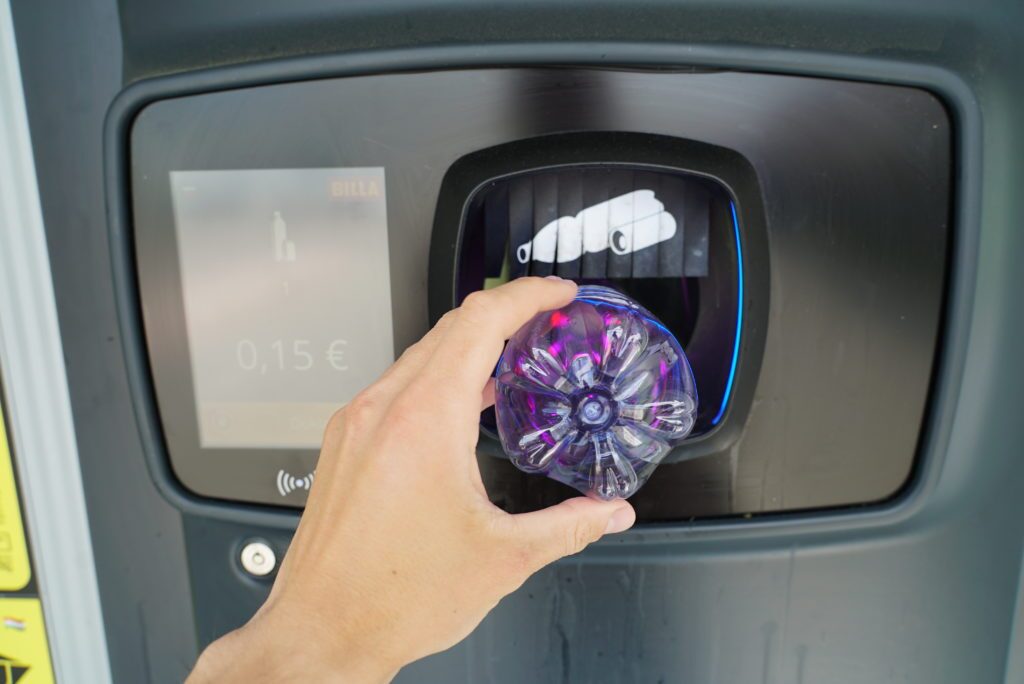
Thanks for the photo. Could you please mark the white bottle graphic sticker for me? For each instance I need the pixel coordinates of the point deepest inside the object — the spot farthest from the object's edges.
(284, 249)
(626, 224)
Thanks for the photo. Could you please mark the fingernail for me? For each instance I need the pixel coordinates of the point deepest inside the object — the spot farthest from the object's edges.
(621, 520)
(553, 277)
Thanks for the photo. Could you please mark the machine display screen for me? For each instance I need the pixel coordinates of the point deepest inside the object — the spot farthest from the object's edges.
(287, 298)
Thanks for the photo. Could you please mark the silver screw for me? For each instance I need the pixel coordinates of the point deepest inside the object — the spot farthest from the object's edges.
(258, 559)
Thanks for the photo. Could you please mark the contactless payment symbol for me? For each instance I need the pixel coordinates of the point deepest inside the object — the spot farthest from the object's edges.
(288, 483)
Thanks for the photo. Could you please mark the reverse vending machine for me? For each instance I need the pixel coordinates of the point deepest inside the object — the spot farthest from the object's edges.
(250, 212)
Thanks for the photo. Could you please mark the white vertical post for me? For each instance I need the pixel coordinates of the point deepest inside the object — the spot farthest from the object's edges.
(39, 409)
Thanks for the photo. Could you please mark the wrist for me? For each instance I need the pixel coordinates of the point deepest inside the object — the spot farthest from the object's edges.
(273, 648)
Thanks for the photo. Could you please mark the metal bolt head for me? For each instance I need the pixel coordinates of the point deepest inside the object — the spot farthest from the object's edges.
(258, 559)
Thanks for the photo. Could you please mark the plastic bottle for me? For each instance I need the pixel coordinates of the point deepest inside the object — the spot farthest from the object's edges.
(594, 394)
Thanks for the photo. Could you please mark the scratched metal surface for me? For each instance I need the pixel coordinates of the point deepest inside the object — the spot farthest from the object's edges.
(797, 616)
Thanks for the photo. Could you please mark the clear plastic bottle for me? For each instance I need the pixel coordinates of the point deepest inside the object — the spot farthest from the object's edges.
(594, 394)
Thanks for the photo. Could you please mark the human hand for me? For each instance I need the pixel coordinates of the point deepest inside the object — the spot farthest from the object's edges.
(399, 553)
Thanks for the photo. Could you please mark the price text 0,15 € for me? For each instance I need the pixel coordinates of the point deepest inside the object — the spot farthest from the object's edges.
(289, 355)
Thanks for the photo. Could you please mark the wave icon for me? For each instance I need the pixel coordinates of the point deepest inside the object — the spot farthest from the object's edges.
(288, 483)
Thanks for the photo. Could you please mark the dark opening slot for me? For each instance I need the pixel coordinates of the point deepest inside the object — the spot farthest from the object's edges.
(594, 191)
(569, 248)
(496, 217)
(520, 223)
(664, 238)
(543, 248)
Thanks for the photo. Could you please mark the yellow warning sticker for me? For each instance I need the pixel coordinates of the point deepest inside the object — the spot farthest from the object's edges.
(14, 567)
(24, 653)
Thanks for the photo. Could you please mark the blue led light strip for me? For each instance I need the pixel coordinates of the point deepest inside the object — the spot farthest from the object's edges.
(739, 319)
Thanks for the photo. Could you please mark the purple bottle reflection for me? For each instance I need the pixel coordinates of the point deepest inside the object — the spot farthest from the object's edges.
(594, 394)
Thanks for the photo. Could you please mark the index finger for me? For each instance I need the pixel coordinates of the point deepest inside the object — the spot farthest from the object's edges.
(470, 348)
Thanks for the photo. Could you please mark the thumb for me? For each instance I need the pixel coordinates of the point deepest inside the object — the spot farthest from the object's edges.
(568, 527)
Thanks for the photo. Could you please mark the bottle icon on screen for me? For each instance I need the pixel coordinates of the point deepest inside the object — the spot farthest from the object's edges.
(284, 249)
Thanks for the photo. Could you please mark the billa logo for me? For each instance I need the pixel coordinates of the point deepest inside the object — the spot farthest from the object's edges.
(12, 670)
(625, 224)
(355, 189)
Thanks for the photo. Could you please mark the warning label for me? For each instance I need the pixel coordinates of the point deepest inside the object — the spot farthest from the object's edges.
(24, 653)
(14, 566)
